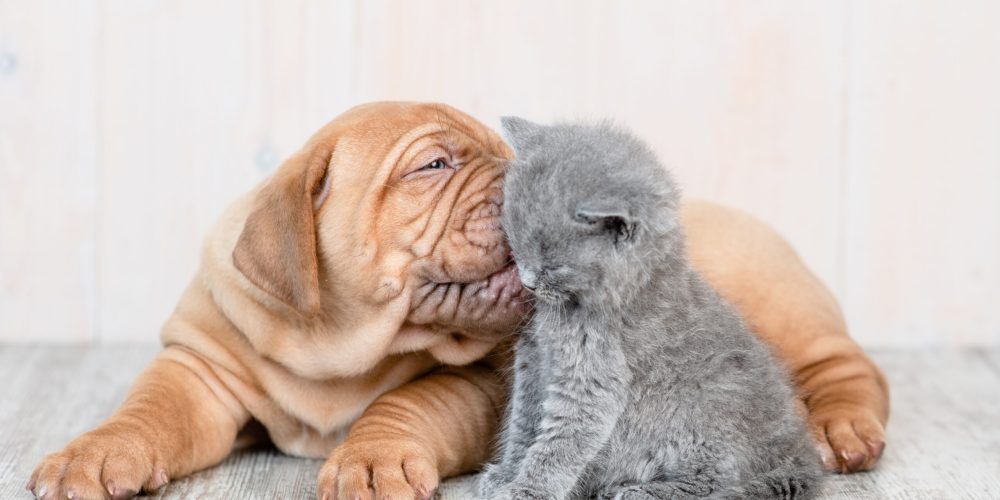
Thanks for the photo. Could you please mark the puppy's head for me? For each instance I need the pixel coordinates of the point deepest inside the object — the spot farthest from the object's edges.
(390, 203)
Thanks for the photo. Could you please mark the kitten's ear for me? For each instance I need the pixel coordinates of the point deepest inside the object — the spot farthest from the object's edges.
(520, 133)
(619, 223)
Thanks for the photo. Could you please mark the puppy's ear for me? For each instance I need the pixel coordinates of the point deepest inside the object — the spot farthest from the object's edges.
(277, 248)
(521, 134)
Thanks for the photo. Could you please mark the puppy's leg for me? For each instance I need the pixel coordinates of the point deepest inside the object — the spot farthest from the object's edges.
(436, 426)
(789, 307)
(847, 397)
(177, 419)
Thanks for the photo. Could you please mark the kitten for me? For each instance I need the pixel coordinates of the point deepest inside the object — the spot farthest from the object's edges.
(634, 379)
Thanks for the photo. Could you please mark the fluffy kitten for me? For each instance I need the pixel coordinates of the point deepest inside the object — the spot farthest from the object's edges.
(634, 379)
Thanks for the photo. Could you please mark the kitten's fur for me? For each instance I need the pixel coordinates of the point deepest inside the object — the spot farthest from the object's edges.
(634, 378)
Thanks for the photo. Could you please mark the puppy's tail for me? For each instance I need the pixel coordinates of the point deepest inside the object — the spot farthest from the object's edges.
(793, 479)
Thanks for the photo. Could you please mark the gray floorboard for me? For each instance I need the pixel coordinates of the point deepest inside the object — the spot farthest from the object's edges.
(944, 434)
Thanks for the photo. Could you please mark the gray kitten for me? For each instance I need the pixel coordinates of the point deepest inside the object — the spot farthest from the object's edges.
(634, 378)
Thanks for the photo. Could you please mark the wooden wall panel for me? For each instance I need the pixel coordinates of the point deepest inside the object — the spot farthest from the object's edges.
(923, 254)
(173, 105)
(48, 177)
(744, 102)
(866, 132)
(215, 96)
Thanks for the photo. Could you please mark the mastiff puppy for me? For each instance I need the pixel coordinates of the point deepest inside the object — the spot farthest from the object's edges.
(358, 306)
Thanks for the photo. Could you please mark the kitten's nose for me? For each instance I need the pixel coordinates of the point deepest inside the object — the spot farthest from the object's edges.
(529, 278)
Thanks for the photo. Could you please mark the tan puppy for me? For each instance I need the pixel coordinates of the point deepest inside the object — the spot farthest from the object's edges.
(371, 268)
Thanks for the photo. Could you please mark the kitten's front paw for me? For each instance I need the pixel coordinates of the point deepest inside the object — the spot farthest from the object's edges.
(633, 494)
(624, 491)
(493, 478)
(518, 492)
(657, 490)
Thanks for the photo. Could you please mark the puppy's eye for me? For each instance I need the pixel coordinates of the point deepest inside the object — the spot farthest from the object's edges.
(437, 164)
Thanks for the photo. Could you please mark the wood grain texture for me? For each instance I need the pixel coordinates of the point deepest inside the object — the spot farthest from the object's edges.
(924, 173)
(743, 101)
(866, 132)
(48, 177)
(174, 149)
(943, 433)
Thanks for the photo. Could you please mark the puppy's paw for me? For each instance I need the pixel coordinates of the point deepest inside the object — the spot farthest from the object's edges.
(385, 468)
(849, 439)
(493, 478)
(100, 464)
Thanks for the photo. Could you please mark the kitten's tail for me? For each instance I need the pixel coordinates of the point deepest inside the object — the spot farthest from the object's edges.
(794, 479)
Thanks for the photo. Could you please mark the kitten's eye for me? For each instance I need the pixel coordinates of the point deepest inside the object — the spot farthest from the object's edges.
(437, 164)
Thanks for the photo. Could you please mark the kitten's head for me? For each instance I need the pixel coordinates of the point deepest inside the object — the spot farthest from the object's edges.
(588, 211)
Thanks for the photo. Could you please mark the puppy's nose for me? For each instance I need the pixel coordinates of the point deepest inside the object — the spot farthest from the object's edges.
(529, 278)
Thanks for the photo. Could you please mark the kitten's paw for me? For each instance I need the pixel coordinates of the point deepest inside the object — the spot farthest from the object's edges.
(493, 478)
(634, 495)
(519, 492)
(653, 491)
(848, 439)
(627, 493)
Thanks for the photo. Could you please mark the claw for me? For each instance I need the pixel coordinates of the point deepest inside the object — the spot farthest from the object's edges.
(161, 478)
(117, 494)
(875, 448)
(851, 460)
(422, 492)
(826, 456)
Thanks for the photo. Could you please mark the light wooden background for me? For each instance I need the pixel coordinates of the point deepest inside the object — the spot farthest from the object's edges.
(867, 132)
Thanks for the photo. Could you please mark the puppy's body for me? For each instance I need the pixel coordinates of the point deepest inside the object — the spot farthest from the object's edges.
(355, 293)
(372, 256)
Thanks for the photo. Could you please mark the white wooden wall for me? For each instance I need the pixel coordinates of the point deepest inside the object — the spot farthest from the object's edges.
(867, 132)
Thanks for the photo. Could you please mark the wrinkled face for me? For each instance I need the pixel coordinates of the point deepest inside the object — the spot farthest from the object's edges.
(463, 277)
(435, 238)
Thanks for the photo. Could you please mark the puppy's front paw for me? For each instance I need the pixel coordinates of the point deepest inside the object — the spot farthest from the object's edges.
(850, 439)
(103, 463)
(493, 478)
(390, 468)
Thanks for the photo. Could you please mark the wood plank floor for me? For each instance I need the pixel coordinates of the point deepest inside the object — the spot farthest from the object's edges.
(944, 435)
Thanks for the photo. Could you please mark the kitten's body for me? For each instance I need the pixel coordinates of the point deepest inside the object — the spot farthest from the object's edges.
(634, 379)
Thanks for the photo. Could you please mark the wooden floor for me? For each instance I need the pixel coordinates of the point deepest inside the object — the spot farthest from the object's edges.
(944, 435)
